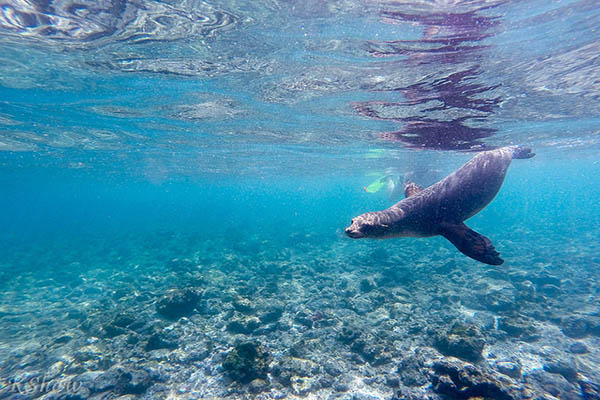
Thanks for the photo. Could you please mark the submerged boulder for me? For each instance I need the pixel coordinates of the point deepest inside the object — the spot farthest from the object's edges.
(367, 285)
(272, 314)
(244, 305)
(243, 324)
(119, 379)
(578, 348)
(348, 334)
(247, 362)
(161, 340)
(501, 299)
(126, 380)
(459, 380)
(301, 375)
(509, 368)
(371, 350)
(520, 327)
(178, 303)
(553, 384)
(566, 368)
(412, 370)
(575, 326)
(462, 340)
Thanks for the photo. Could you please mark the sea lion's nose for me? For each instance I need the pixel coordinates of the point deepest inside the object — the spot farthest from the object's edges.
(353, 234)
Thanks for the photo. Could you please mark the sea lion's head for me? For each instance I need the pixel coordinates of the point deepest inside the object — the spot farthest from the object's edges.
(367, 225)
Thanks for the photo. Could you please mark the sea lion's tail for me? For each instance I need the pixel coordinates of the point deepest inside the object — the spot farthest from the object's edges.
(522, 152)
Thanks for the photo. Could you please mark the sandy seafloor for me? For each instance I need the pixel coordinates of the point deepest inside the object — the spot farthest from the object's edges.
(159, 316)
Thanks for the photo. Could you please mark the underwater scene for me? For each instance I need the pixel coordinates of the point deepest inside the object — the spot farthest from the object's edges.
(285, 199)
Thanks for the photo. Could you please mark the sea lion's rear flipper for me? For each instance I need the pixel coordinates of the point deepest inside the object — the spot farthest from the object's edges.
(471, 243)
(411, 188)
(522, 152)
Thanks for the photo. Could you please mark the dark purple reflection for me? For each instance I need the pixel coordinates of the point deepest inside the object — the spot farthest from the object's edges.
(447, 105)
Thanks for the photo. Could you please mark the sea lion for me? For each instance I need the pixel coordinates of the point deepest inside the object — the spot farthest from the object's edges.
(441, 208)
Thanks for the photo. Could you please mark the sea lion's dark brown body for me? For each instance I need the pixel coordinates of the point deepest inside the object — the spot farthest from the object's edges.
(441, 208)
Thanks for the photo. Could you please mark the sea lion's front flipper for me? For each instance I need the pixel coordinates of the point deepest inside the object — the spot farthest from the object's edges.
(411, 188)
(471, 243)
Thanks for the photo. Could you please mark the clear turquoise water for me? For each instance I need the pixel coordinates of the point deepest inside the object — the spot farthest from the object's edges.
(240, 136)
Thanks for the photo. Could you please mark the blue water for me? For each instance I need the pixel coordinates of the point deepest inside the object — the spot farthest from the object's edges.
(222, 147)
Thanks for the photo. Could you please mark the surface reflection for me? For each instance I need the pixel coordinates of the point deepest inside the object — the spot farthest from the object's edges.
(447, 107)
